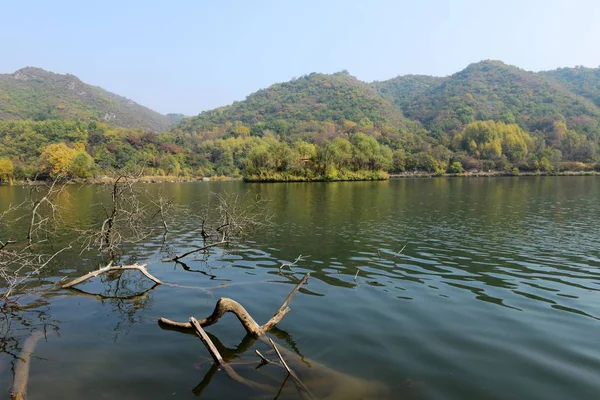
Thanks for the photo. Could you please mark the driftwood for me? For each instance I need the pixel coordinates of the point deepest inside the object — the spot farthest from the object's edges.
(225, 305)
(110, 268)
(19, 389)
(324, 382)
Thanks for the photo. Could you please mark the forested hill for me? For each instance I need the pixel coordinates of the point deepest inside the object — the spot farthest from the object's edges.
(489, 116)
(312, 106)
(583, 81)
(492, 90)
(36, 94)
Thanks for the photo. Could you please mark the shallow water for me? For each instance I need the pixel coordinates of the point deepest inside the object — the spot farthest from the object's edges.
(479, 288)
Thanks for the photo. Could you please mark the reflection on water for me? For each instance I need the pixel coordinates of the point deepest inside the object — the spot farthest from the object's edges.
(437, 288)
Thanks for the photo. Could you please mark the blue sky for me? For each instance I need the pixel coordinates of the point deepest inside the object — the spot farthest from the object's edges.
(190, 56)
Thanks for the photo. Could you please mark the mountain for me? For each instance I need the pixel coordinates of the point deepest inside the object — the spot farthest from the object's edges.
(308, 105)
(36, 94)
(404, 90)
(492, 90)
(583, 81)
(488, 116)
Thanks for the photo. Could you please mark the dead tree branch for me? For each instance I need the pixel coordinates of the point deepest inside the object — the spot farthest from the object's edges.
(39, 222)
(234, 215)
(110, 268)
(206, 340)
(218, 359)
(199, 249)
(164, 206)
(19, 389)
(126, 219)
(225, 305)
(19, 262)
(290, 265)
(300, 384)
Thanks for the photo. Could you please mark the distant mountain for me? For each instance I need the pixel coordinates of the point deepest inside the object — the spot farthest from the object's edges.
(303, 105)
(36, 94)
(487, 90)
(492, 90)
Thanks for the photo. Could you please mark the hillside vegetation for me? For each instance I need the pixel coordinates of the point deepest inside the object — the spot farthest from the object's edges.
(35, 94)
(490, 116)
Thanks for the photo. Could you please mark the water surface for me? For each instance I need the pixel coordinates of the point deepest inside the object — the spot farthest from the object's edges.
(482, 288)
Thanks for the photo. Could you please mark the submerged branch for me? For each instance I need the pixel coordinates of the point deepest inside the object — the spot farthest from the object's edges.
(19, 389)
(225, 305)
(218, 359)
(110, 268)
(182, 255)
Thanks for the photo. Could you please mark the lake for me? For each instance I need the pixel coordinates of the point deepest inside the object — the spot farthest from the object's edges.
(444, 288)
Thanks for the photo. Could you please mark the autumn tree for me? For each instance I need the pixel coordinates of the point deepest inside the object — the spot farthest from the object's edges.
(7, 170)
(56, 159)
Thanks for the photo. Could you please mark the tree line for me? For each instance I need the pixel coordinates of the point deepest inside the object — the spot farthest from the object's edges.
(329, 151)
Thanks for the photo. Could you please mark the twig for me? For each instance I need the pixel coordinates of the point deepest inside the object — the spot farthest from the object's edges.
(182, 255)
(280, 357)
(401, 250)
(299, 258)
(284, 309)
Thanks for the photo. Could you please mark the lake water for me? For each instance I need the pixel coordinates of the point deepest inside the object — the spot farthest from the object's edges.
(495, 295)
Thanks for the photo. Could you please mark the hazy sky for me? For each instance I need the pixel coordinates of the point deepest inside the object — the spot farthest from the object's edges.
(189, 56)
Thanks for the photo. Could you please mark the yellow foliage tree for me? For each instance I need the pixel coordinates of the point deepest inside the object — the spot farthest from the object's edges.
(7, 170)
(56, 159)
(490, 140)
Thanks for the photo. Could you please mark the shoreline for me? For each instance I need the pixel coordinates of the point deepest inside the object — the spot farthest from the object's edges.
(404, 175)
(493, 173)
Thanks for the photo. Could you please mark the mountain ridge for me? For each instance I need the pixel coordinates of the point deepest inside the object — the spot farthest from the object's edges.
(38, 94)
(485, 90)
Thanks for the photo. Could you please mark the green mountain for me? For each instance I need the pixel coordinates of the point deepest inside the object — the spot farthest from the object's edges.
(311, 106)
(583, 81)
(492, 90)
(405, 89)
(36, 94)
(320, 126)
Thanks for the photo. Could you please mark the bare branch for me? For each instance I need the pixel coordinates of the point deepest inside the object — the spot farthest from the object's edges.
(218, 359)
(39, 222)
(19, 389)
(126, 218)
(300, 384)
(290, 265)
(207, 342)
(182, 255)
(225, 305)
(109, 268)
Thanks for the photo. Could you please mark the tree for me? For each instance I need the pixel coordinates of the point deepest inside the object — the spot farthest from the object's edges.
(170, 165)
(81, 165)
(7, 170)
(456, 168)
(56, 159)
